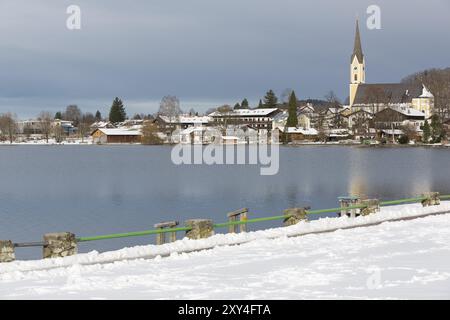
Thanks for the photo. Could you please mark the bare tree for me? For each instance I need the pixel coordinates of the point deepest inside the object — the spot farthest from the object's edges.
(150, 134)
(409, 131)
(58, 133)
(8, 126)
(73, 113)
(84, 125)
(170, 107)
(335, 103)
(45, 124)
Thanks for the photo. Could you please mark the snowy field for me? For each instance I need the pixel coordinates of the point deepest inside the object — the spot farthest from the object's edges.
(393, 260)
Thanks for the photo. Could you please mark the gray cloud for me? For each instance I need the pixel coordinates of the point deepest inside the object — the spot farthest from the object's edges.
(205, 51)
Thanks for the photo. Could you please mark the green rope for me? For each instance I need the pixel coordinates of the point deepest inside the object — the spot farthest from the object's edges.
(255, 220)
(233, 223)
(131, 234)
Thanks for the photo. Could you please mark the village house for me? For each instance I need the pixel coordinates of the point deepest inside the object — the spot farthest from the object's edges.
(104, 136)
(294, 135)
(67, 126)
(258, 119)
(395, 121)
(29, 127)
(198, 135)
(304, 118)
(168, 124)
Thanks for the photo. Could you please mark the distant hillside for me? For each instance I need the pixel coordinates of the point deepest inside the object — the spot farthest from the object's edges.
(438, 82)
(317, 103)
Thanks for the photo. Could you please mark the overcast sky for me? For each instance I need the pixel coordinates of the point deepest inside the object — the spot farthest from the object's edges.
(206, 52)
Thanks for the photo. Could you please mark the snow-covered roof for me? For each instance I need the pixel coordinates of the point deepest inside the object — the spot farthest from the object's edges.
(306, 132)
(101, 124)
(390, 131)
(187, 119)
(198, 129)
(426, 93)
(245, 112)
(120, 132)
(409, 111)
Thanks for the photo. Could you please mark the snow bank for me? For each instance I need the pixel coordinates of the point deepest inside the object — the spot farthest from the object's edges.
(186, 245)
(392, 260)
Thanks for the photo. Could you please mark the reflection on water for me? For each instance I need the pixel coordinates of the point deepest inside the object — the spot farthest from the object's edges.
(357, 174)
(91, 190)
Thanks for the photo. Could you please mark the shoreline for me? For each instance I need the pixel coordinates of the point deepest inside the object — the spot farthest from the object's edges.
(296, 145)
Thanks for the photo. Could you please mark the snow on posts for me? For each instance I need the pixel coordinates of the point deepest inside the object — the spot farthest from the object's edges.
(161, 237)
(431, 199)
(7, 251)
(371, 206)
(346, 202)
(58, 245)
(200, 228)
(238, 215)
(295, 216)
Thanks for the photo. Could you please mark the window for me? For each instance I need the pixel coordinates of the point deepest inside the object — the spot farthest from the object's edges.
(356, 77)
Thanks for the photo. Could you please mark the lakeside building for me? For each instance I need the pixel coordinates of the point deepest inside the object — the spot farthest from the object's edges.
(116, 135)
(291, 134)
(168, 124)
(398, 117)
(34, 127)
(258, 119)
(378, 96)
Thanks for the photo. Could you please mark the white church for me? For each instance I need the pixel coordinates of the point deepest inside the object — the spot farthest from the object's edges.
(376, 97)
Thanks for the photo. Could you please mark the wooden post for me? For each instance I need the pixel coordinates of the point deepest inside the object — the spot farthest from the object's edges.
(200, 228)
(432, 199)
(161, 237)
(346, 202)
(238, 215)
(7, 251)
(58, 245)
(372, 206)
(295, 216)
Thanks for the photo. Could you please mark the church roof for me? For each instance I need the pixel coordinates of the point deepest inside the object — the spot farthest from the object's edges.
(387, 93)
(357, 50)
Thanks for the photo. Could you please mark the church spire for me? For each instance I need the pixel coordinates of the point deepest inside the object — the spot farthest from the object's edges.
(357, 50)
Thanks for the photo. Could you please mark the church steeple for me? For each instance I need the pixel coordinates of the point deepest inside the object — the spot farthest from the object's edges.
(357, 66)
(357, 49)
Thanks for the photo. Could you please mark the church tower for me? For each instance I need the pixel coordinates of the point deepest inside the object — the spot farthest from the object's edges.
(357, 66)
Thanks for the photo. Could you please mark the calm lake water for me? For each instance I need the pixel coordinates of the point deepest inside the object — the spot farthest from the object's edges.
(94, 190)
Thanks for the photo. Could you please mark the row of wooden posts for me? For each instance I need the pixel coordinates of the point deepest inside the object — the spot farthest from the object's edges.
(56, 245)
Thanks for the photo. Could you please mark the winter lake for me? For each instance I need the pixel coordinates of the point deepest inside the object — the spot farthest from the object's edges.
(94, 190)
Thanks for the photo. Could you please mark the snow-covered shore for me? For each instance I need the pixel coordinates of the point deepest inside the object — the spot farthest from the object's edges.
(404, 259)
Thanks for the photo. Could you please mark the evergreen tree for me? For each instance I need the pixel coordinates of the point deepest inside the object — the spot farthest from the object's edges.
(117, 113)
(260, 105)
(436, 129)
(98, 116)
(426, 132)
(58, 115)
(292, 120)
(270, 99)
(244, 104)
(237, 106)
